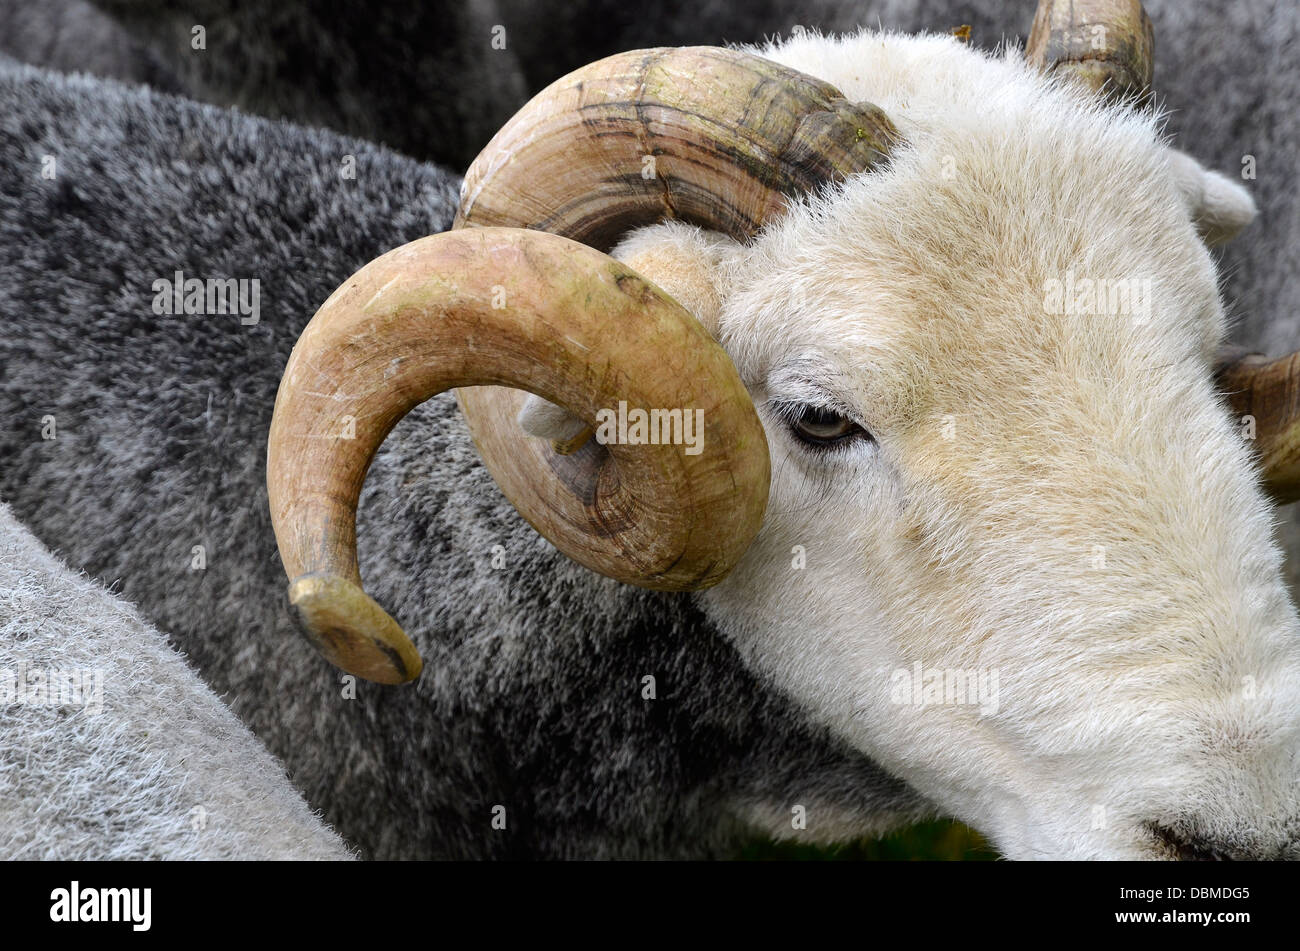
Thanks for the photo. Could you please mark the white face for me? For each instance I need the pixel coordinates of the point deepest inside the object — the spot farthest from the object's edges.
(1015, 550)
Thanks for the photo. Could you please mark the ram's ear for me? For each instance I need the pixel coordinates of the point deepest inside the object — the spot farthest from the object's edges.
(687, 262)
(1219, 207)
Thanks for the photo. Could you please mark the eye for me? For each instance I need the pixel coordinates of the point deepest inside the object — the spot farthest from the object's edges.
(821, 426)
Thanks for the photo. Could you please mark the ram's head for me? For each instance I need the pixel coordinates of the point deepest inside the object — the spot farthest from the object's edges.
(1016, 546)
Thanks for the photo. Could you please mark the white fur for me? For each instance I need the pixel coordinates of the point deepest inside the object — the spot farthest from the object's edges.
(1157, 683)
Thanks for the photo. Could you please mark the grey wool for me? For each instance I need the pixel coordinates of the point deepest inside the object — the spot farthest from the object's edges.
(111, 747)
(533, 702)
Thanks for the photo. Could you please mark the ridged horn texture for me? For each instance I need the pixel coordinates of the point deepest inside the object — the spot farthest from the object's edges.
(712, 136)
(1268, 391)
(577, 328)
(702, 134)
(1105, 44)
(707, 135)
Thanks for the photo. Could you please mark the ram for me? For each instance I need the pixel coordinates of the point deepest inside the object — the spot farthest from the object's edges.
(916, 473)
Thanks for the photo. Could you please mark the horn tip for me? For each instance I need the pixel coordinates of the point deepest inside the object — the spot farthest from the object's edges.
(353, 632)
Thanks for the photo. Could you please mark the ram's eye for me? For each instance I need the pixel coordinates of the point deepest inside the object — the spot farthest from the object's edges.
(819, 426)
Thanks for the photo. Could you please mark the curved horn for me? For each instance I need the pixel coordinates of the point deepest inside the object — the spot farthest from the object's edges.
(713, 136)
(716, 137)
(1105, 44)
(1268, 391)
(708, 135)
(578, 328)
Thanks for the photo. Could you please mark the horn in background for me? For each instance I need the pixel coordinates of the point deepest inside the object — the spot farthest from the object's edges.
(1107, 45)
(1269, 392)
